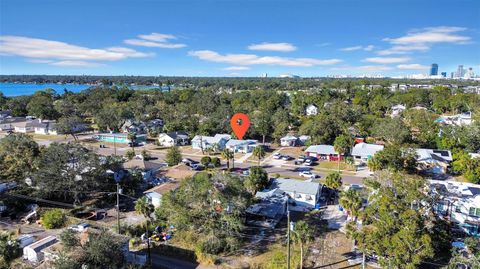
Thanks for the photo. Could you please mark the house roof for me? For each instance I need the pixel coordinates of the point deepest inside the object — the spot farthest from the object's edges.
(237, 142)
(289, 137)
(175, 135)
(271, 203)
(435, 154)
(366, 150)
(322, 149)
(212, 139)
(293, 185)
(141, 164)
(43, 243)
(163, 188)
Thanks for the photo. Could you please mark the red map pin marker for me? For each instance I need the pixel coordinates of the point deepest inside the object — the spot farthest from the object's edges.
(240, 123)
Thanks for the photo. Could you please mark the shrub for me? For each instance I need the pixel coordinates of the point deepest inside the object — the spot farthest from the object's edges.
(69, 239)
(174, 156)
(130, 154)
(205, 161)
(54, 218)
(216, 162)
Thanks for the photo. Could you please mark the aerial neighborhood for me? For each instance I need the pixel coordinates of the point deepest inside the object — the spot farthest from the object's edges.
(143, 180)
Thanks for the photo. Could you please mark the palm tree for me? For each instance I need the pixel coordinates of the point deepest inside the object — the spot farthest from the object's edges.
(143, 206)
(132, 137)
(333, 181)
(351, 201)
(302, 234)
(228, 155)
(259, 153)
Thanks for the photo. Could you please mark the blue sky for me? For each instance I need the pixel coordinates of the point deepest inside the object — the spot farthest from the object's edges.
(237, 38)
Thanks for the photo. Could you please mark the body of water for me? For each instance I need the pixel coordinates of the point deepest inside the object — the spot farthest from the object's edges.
(16, 89)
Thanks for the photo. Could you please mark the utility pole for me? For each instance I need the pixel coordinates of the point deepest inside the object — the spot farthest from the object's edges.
(115, 144)
(118, 208)
(288, 237)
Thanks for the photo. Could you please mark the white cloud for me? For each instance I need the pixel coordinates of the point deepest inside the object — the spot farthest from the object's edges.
(283, 47)
(252, 59)
(352, 48)
(413, 67)
(61, 53)
(155, 40)
(423, 39)
(76, 64)
(387, 60)
(365, 48)
(404, 49)
(236, 68)
(441, 34)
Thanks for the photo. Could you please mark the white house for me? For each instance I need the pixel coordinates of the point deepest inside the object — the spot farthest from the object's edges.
(173, 139)
(289, 141)
(305, 194)
(397, 110)
(148, 169)
(243, 146)
(362, 152)
(459, 119)
(311, 110)
(459, 203)
(206, 142)
(24, 127)
(322, 152)
(44, 127)
(154, 195)
(434, 160)
(303, 139)
(34, 252)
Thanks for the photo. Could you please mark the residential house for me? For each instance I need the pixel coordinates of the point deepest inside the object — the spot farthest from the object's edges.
(206, 142)
(311, 110)
(323, 152)
(362, 152)
(46, 127)
(173, 139)
(459, 119)
(303, 193)
(34, 252)
(433, 160)
(24, 127)
(303, 139)
(5, 114)
(148, 168)
(397, 110)
(8, 124)
(154, 195)
(269, 210)
(155, 125)
(458, 203)
(289, 141)
(132, 126)
(242, 146)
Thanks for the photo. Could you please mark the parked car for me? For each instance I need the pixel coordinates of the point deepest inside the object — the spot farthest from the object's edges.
(300, 160)
(277, 155)
(79, 227)
(197, 167)
(286, 158)
(189, 162)
(307, 174)
(246, 172)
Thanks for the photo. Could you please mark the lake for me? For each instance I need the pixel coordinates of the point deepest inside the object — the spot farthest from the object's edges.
(15, 89)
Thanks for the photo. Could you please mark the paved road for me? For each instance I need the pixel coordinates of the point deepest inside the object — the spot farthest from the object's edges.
(284, 170)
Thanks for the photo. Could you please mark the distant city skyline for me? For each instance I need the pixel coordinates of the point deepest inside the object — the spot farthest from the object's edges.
(239, 38)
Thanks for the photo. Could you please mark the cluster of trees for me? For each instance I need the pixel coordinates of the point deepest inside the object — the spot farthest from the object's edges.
(209, 206)
(398, 225)
(60, 171)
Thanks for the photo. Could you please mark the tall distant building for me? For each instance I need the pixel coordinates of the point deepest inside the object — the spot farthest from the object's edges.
(444, 74)
(460, 72)
(434, 70)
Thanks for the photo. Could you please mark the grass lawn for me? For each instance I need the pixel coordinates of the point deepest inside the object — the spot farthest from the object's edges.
(48, 137)
(334, 166)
